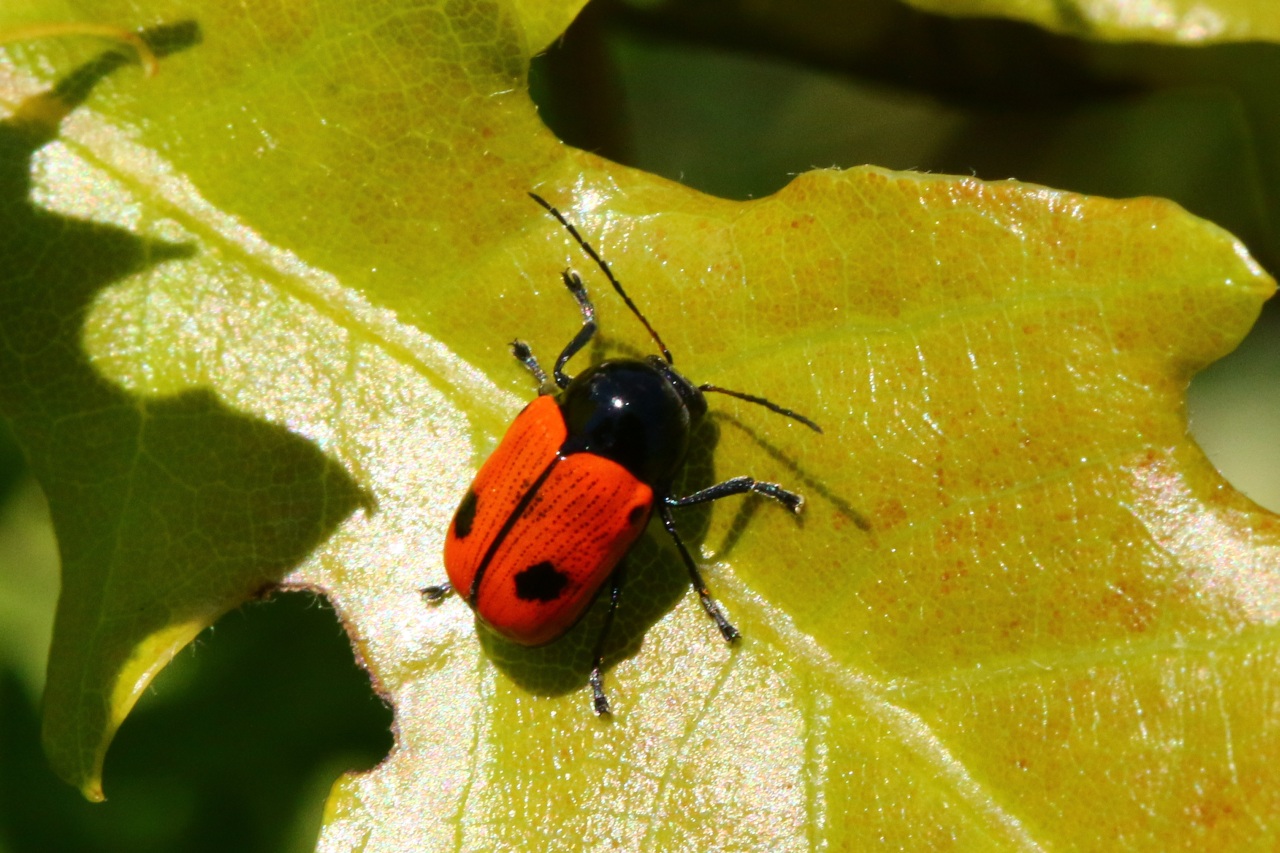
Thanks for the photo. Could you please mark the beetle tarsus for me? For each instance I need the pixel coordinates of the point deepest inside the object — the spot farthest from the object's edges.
(598, 700)
(525, 356)
(436, 594)
(727, 630)
(573, 281)
(793, 501)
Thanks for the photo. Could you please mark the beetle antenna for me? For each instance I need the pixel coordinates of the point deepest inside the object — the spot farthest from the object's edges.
(768, 404)
(591, 253)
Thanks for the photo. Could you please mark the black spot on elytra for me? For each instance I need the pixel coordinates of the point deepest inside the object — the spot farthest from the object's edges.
(540, 582)
(465, 515)
(636, 515)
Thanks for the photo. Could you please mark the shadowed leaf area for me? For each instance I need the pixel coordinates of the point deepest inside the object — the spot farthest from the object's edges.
(276, 284)
(248, 724)
(168, 510)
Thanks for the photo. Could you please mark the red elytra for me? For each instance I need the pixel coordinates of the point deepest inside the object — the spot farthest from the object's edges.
(573, 483)
(534, 571)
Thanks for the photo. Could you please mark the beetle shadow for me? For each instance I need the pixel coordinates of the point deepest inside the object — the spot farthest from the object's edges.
(800, 480)
(171, 509)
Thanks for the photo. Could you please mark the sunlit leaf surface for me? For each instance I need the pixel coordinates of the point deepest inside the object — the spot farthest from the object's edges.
(254, 326)
(1171, 21)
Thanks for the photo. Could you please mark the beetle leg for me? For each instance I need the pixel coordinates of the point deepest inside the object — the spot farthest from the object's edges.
(585, 334)
(739, 486)
(598, 698)
(708, 603)
(436, 594)
(526, 357)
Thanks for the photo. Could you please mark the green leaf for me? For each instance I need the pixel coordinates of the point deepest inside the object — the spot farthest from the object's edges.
(1169, 21)
(171, 507)
(1021, 609)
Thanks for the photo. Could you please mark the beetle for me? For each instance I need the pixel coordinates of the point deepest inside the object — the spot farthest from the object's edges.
(573, 484)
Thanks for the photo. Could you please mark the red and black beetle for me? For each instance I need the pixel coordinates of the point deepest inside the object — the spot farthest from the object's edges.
(572, 485)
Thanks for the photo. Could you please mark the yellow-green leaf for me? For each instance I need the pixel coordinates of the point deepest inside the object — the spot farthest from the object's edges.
(1021, 609)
